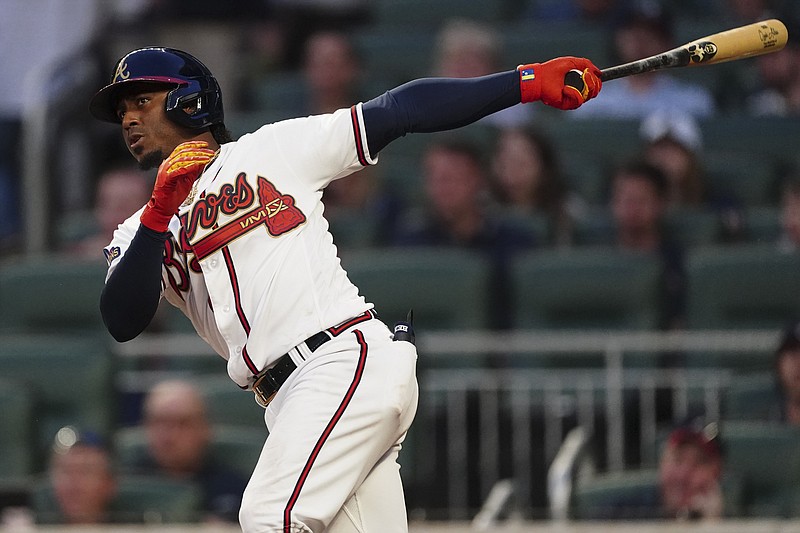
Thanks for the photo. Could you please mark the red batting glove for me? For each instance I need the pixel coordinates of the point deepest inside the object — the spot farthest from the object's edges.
(545, 82)
(174, 180)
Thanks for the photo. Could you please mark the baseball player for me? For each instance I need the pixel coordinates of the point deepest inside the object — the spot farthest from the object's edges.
(234, 236)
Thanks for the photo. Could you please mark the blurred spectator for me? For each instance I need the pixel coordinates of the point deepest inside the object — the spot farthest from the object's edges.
(789, 239)
(690, 471)
(457, 214)
(787, 373)
(467, 48)
(179, 437)
(673, 143)
(297, 20)
(120, 192)
(526, 178)
(360, 210)
(638, 205)
(332, 70)
(643, 33)
(83, 478)
(689, 480)
(778, 93)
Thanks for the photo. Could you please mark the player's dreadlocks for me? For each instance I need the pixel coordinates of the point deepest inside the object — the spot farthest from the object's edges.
(221, 134)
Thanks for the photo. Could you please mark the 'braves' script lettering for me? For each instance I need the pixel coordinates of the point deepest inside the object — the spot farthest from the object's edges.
(274, 210)
(230, 199)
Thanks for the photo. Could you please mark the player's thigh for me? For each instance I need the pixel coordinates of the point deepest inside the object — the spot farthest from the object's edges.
(339, 416)
(378, 505)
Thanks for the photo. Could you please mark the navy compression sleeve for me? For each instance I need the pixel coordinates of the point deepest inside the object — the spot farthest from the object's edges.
(436, 104)
(131, 295)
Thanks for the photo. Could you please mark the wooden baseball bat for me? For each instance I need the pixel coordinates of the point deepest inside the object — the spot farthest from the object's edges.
(751, 40)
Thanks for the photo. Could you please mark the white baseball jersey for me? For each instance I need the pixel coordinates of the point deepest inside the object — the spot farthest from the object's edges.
(250, 261)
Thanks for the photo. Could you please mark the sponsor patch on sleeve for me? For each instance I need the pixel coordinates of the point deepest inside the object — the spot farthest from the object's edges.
(111, 253)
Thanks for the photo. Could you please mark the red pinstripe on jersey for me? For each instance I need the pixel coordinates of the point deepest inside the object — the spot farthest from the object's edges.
(237, 298)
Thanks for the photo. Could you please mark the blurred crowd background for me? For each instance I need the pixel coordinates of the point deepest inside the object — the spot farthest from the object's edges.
(668, 206)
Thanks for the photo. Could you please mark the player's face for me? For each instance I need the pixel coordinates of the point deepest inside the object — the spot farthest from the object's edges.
(149, 135)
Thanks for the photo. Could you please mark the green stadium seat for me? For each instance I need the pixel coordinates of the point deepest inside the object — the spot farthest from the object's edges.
(237, 447)
(395, 55)
(51, 294)
(228, 405)
(762, 224)
(586, 288)
(600, 497)
(758, 137)
(532, 42)
(741, 176)
(447, 288)
(139, 499)
(70, 377)
(607, 139)
(692, 227)
(767, 456)
(17, 415)
(741, 287)
(752, 397)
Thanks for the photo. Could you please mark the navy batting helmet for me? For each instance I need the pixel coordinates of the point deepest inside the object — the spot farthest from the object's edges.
(193, 86)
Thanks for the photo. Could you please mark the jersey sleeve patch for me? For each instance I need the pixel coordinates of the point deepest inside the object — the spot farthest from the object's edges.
(111, 253)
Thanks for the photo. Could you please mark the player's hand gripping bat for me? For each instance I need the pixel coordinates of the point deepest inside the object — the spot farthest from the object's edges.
(738, 43)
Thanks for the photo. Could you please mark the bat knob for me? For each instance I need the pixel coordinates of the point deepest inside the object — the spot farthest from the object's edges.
(574, 79)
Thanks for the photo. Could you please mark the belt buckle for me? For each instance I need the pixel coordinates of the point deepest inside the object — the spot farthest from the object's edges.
(261, 398)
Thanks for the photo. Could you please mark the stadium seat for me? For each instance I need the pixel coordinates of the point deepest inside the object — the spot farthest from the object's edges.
(588, 288)
(599, 497)
(228, 405)
(139, 499)
(752, 397)
(396, 55)
(767, 456)
(741, 177)
(235, 446)
(447, 288)
(17, 415)
(594, 497)
(758, 137)
(51, 294)
(610, 140)
(70, 378)
(762, 224)
(692, 227)
(742, 287)
(531, 42)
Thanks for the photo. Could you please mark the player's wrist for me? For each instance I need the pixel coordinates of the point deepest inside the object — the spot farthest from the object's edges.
(530, 86)
(155, 218)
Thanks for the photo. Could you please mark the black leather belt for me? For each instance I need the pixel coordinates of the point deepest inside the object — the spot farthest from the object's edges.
(269, 381)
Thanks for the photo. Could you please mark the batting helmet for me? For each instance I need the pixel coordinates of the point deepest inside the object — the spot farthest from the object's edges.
(192, 82)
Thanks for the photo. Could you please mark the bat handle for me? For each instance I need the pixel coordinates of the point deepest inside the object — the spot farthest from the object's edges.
(574, 79)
